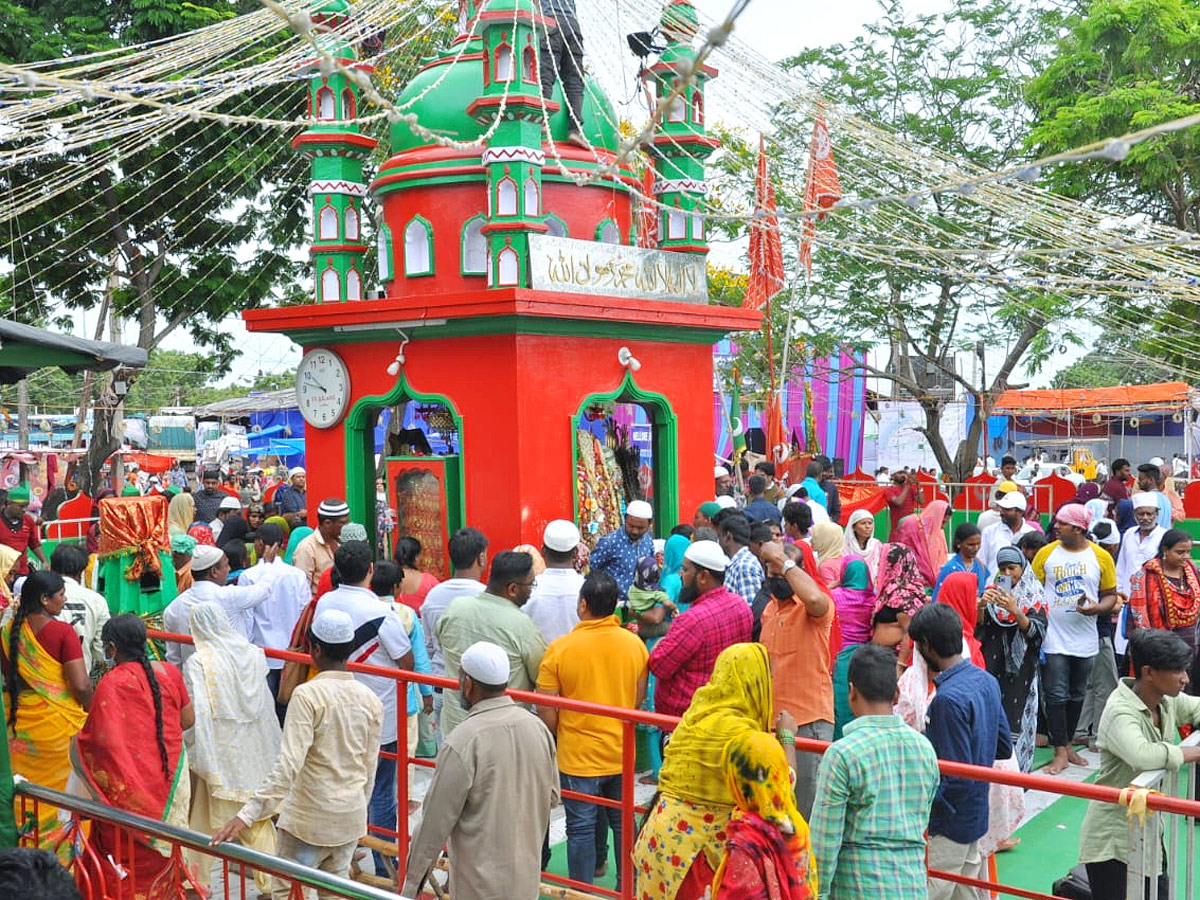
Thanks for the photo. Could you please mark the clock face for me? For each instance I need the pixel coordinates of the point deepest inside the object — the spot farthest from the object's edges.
(322, 388)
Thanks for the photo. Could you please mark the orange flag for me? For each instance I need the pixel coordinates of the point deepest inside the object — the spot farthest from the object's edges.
(647, 215)
(822, 189)
(766, 251)
(779, 447)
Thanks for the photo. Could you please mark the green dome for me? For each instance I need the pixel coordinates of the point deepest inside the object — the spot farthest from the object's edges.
(443, 108)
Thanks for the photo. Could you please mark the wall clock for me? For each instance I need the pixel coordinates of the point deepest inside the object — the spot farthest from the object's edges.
(322, 388)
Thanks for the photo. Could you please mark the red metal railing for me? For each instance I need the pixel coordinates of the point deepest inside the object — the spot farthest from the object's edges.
(632, 718)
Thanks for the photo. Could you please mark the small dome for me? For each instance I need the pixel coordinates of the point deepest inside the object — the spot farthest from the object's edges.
(447, 86)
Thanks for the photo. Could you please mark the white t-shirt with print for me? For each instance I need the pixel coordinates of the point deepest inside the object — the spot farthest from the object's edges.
(1072, 578)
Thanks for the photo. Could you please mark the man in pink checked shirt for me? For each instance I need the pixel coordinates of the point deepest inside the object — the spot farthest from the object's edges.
(716, 618)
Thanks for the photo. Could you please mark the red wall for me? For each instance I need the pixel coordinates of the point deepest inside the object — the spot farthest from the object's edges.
(517, 395)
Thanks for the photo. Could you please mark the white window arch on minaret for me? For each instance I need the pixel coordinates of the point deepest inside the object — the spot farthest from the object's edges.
(698, 108)
(533, 198)
(506, 197)
(353, 285)
(326, 107)
(383, 246)
(509, 273)
(348, 105)
(331, 286)
(676, 225)
(504, 63)
(676, 110)
(474, 248)
(698, 226)
(418, 248)
(352, 224)
(327, 229)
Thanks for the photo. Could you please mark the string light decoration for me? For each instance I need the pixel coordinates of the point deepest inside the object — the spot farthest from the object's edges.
(93, 111)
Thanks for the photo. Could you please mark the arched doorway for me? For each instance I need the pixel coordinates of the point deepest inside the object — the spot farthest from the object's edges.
(625, 447)
(404, 471)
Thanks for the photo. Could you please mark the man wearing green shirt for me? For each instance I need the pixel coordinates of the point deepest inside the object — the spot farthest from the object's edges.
(493, 616)
(1139, 731)
(875, 788)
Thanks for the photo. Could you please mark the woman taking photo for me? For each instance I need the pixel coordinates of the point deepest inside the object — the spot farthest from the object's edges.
(48, 694)
(130, 756)
(1012, 626)
(682, 841)
(965, 547)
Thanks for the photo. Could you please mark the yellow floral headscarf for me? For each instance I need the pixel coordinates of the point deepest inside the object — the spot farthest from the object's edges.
(738, 698)
(760, 781)
(8, 558)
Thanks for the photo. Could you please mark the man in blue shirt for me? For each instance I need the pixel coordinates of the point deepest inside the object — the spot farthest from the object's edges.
(619, 552)
(965, 723)
(812, 485)
(759, 508)
(291, 499)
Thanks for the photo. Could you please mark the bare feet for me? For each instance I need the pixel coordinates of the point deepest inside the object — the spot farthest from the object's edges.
(1007, 844)
(1075, 759)
(1057, 765)
(1042, 741)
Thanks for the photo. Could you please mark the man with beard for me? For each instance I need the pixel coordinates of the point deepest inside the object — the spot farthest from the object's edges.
(1150, 481)
(795, 630)
(208, 498)
(683, 660)
(965, 723)
(495, 781)
(495, 616)
(1139, 545)
(1005, 533)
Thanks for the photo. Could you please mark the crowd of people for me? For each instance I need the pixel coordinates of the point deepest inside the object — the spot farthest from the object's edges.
(762, 621)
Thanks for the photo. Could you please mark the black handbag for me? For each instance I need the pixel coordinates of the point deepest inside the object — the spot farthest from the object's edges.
(1074, 885)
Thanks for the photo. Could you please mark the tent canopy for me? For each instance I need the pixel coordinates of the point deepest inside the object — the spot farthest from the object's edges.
(1168, 395)
(25, 349)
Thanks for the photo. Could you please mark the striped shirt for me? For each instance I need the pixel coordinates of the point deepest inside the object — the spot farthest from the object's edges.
(875, 788)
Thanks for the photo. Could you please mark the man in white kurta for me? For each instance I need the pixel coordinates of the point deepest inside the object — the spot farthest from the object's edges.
(490, 798)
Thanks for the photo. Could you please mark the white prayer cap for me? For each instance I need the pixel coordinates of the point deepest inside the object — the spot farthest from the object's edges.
(333, 626)
(230, 503)
(1156, 461)
(205, 556)
(1012, 500)
(560, 536)
(295, 470)
(1144, 500)
(720, 472)
(640, 509)
(660, 544)
(486, 663)
(726, 502)
(707, 555)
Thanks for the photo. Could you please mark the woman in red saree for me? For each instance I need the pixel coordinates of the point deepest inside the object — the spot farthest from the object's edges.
(1166, 592)
(47, 696)
(130, 756)
(768, 854)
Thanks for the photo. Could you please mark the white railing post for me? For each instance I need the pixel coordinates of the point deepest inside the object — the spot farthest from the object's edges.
(1146, 844)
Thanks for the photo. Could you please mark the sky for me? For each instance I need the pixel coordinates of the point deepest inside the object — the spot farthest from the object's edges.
(776, 28)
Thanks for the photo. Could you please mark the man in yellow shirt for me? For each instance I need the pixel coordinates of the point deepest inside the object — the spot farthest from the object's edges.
(600, 662)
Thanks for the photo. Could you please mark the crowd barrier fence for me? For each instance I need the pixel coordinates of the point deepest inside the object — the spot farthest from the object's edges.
(397, 839)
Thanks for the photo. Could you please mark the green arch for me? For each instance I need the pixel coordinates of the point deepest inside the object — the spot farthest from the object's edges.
(664, 442)
(360, 452)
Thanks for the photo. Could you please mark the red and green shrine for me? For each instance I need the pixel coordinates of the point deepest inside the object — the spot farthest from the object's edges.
(510, 298)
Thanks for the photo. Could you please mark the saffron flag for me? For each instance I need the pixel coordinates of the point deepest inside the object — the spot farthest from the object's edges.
(647, 216)
(821, 190)
(766, 251)
(779, 446)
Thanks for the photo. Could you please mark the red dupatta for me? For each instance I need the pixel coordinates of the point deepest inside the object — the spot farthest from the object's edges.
(960, 591)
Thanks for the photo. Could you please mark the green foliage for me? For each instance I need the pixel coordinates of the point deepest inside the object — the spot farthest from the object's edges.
(1106, 366)
(954, 82)
(1125, 65)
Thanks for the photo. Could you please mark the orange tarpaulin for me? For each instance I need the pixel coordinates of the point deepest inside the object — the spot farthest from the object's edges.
(149, 462)
(1126, 398)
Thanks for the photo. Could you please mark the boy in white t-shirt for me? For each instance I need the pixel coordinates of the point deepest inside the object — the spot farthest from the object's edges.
(1080, 583)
